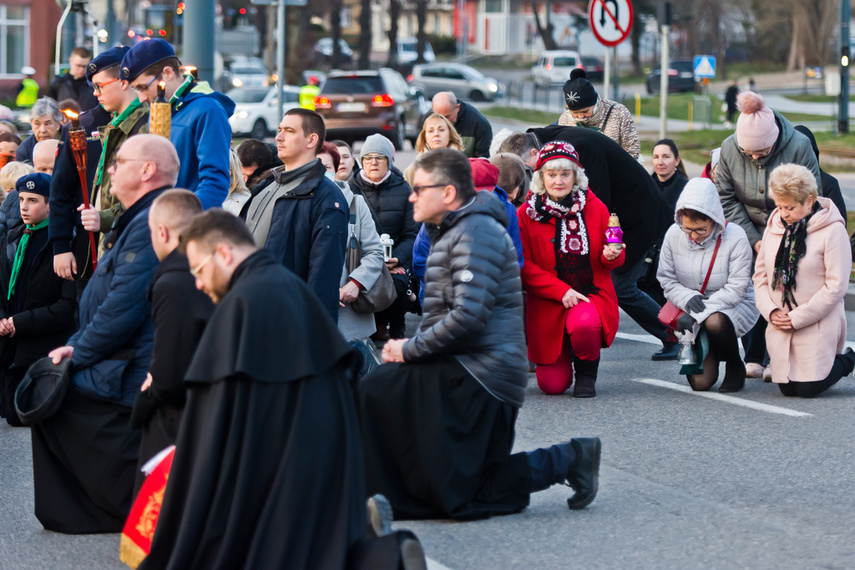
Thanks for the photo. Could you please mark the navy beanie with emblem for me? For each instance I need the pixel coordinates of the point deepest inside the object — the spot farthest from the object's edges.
(35, 183)
(109, 58)
(144, 55)
(579, 93)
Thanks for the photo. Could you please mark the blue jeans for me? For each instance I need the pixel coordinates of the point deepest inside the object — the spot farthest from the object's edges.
(636, 303)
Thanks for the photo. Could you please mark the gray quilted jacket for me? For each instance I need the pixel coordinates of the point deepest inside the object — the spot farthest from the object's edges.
(473, 308)
(743, 183)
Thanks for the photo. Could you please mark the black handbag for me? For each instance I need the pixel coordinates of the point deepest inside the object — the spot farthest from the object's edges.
(382, 294)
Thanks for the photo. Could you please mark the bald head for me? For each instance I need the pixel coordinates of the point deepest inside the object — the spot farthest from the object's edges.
(169, 216)
(143, 163)
(445, 103)
(44, 154)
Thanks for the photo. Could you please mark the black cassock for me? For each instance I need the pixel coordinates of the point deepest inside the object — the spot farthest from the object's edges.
(268, 468)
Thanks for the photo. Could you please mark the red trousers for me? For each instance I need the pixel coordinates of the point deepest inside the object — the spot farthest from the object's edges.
(583, 339)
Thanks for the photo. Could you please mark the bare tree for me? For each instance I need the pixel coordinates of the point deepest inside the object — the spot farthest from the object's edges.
(811, 22)
(335, 29)
(546, 32)
(394, 16)
(421, 19)
(365, 35)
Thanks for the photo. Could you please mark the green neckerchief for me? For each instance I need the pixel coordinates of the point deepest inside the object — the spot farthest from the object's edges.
(181, 91)
(114, 124)
(19, 255)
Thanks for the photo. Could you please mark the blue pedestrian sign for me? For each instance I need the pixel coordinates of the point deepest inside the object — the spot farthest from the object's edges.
(704, 66)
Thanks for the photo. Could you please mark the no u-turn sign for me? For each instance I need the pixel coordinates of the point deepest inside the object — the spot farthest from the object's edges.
(610, 20)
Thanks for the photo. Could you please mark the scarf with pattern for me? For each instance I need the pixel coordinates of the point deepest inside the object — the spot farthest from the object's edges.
(792, 249)
(571, 235)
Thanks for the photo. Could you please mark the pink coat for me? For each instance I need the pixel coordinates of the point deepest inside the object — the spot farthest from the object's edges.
(819, 320)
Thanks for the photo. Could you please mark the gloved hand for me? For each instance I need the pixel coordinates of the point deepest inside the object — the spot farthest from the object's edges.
(696, 304)
(685, 323)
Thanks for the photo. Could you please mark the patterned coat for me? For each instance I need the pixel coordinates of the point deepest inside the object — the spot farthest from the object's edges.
(613, 120)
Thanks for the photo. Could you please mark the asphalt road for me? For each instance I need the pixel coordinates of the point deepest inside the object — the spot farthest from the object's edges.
(688, 481)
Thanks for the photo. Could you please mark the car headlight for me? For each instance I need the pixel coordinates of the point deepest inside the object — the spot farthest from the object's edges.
(493, 87)
(237, 82)
(242, 114)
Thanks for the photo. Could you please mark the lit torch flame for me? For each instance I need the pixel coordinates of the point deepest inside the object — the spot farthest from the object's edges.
(189, 70)
(71, 115)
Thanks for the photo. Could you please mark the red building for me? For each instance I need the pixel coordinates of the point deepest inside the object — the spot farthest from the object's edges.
(27, 37)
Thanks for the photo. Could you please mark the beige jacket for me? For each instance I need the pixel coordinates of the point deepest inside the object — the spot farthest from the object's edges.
(819, 320)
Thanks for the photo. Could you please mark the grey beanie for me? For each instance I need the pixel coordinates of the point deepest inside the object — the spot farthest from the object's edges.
(378, 144)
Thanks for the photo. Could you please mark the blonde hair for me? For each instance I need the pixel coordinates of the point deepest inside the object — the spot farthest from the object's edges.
(454, 140)
(581, 182)
(236, 182)
(10, 173)
(792, 182)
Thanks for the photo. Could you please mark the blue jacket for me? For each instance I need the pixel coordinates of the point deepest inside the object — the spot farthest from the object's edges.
(112, 348)
(202, 136)
(421, 249)
(308, 234)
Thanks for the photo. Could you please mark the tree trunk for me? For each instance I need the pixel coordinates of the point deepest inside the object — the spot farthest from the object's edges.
(394, 16)
(421, 20)
(545, 32)
(365, 35)
(335, 28)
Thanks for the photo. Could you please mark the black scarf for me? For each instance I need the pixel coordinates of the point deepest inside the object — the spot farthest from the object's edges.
(792, 249)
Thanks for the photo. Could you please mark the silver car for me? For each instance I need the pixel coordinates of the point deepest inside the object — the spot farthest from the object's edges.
(256, 109)
(464, 81)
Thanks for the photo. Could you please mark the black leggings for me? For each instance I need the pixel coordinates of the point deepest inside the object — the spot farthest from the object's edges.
(723, 346)
(842, 367)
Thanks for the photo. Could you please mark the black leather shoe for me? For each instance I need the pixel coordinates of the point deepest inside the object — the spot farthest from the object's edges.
(734, 378)
(669, 352)
(584, 474)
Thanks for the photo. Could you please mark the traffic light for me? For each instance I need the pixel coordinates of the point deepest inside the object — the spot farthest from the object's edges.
(844, 56)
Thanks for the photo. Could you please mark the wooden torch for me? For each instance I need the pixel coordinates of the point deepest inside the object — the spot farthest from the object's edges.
(77, 139)
(160, 114)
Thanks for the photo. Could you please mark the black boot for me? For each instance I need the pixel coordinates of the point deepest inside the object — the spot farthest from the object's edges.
(848, 357)
(734, 377)
(586, 377)
(584, 474)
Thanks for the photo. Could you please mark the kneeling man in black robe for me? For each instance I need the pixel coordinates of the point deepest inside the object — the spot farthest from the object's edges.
(268, 468)
(438, 425)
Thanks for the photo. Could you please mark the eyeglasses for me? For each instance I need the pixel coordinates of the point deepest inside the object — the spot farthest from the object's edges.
(374, 158)
(195, 271)
(117, 161)
(696, 231)
(755, 154)
(417, 189)
(137, 88)
(97, 88)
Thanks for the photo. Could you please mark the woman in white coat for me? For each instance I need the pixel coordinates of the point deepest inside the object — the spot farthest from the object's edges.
(355, 325)
(801, 277)
(726, 309)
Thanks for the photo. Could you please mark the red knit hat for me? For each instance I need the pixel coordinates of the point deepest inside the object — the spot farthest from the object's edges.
(557, 149)
(485, 175)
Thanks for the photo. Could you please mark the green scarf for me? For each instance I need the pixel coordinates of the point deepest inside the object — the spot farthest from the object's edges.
(19, 255)
(180, 92)
(118, 120)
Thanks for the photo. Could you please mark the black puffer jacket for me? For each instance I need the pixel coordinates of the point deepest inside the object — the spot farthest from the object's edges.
(473, 307)
(392, 211)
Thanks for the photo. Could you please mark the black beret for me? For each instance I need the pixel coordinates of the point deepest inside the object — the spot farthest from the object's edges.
(41, 392)
(109, 58)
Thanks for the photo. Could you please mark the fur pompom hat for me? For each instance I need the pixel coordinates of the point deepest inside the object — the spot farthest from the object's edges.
(756, 127)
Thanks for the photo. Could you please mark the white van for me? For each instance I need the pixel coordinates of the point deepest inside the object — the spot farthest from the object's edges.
(554, 67)
(407, 51)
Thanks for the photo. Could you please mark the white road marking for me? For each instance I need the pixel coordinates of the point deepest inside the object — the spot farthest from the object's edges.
(648, 338)
(434, 565)
(722, 398)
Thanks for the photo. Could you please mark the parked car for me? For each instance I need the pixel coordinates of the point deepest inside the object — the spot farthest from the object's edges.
(464, 81)
(360, 103)
(247, 72)
(256, 109)
(681, 77)
(554, 67)
(593, 67)
(324, 50)
(407, 51)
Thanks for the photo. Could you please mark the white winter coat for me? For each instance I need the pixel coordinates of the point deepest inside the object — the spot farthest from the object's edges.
(683, 264)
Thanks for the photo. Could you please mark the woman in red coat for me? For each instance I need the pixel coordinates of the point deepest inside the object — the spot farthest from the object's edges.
(572, 308)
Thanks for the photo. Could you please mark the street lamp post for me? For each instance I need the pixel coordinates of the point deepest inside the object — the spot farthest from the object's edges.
(843, 114)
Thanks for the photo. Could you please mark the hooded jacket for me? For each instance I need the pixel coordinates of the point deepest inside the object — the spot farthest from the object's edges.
(683, 264)
(830, 186)
(473, 308)
(819, 319)
(202, 136)
(743, 183)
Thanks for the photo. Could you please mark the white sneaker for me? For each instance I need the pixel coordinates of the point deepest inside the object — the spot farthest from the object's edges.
(753, 370)
(767, 374)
